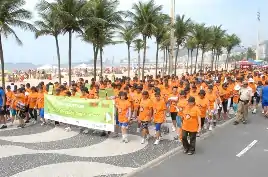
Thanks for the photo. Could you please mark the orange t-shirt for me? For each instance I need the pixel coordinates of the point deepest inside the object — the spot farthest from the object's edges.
(136, 100)
(190, 118)
(211, 99)
(181, 105)
(203, 105)
(123, 108)
(145, 110)
(224, 94)
(32, 99)
(9, 95)
(194, 94)
(159, 108)
(40, 100)
(235, 96)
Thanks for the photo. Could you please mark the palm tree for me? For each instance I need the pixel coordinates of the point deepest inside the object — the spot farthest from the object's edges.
(69, 13)
(162, 27)
(190, 45)
(144, 18)
(138, 45)
(217, 37)
(205, 40)
(198, 36)
(250, 54)
(232, 41)
(128, 34)
(100, 16)
(182, 30)
(50, 25)
(12, 14)
(165, 46)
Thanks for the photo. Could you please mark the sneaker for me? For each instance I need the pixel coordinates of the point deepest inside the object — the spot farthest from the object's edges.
(244, 122)
(198, 134)
(138, 130)
(190, 153)
(126, 140)
(34, 122)
(236, 122)
(85, 131)
(156, 142)
(254, 111)
(185, 151)
(173, 129)
(68, 129)
(3, 126)
(210, 128)
(262, 112)
(143, 141)
(43, 123)
(27, 121)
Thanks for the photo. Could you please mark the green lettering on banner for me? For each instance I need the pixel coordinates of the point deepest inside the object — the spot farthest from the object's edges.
(110, 92)
(91, 113)
(102, 93)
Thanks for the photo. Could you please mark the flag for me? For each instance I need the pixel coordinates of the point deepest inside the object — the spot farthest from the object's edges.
(258, 16)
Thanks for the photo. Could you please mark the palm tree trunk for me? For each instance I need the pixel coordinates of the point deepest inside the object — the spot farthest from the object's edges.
(58, 55)
(101, 63)
(227, 61)
(139, 64)
(192, 61)
(156, 59)
(212, 60)
(144, 56)
(2, 64)
(95, 51)
(128, 67)
(70, 57)
(164, 61)
(195, 67)
(202, 59)
(176, 61)
(167, 59)
(187, 65)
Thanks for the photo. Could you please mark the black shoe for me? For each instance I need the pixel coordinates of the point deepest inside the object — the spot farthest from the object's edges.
(3, 126)
(103, 134)
(236, 123)
(190, 153)
(27, 121)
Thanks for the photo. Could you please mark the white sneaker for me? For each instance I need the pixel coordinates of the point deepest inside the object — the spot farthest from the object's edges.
(262, 112)
(126, 140)
(254, 111)
(143, 141)
(138, 130)
(85, 131)
(34, 122)
(173, 129)
(156, 142)
(43, 123)
(68, 129)
(210, 128)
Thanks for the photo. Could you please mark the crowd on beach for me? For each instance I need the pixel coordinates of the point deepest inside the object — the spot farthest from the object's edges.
(194, 102)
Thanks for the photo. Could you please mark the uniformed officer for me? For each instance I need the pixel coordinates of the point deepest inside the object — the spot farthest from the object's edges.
(245, 96)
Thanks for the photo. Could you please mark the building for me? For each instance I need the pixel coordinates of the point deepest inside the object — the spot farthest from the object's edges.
(263, 50)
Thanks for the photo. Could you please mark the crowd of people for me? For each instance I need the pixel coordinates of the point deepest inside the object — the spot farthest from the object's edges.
(194, 102)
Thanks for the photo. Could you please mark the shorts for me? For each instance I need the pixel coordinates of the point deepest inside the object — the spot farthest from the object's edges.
(7, 108)
(157, 126)
(264, 102)
(144, 124)
(123, 125)
(42, 112)
(235, 107)
(13, 112)
(2, 112)
(173, 115)
(178, 120)
(257, 98)
(26, 108)
(202, 121)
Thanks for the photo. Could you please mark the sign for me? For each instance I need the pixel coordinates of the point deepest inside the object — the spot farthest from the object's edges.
(90, 113)
(102, 93)
(110, 92)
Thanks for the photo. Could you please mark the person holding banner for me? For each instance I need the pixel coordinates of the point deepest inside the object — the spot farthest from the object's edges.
(124, 113)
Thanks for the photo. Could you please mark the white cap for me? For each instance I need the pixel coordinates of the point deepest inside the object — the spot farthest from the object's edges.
(237, 87)
(250, 80)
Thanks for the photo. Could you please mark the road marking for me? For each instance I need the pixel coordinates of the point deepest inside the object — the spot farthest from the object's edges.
(247, 148)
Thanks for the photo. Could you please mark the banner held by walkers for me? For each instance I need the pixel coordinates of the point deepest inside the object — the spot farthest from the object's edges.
(90, 113)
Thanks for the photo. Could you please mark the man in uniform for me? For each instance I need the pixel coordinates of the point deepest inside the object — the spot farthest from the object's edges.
(245, 96)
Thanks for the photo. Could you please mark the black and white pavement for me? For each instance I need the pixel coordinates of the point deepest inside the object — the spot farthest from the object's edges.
(235, 151)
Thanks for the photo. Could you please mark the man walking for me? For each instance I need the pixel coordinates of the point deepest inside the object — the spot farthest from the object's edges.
(245, 96)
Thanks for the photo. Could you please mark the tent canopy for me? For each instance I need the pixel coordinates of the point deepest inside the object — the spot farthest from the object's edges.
(82, 66)
(47, 67)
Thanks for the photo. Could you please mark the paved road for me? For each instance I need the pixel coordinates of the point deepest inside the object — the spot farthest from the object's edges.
(216, 156)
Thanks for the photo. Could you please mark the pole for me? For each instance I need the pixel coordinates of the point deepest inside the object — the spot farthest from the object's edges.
(171, 58)
(258, 35)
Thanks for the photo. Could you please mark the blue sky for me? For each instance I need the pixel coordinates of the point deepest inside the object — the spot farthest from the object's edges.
(236, 16)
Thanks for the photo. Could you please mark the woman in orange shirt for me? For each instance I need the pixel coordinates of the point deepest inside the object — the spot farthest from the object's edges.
(203, 104)
(124, 113)
(191, 126)
(212, 109)
(173, 100)
(159, 116)
(145, 115)
(21, 107)
(40, 104)
(32, 99)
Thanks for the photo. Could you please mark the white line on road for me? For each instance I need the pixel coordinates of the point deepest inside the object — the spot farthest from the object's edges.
(247, 148)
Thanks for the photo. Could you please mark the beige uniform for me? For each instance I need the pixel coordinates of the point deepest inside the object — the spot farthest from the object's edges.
(245, 95)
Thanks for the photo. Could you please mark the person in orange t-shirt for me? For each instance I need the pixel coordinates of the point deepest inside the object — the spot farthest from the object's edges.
(180, 107)
(145, 115)
(40, 104)
(124, 113)
(32, 99)
(236, 98)
(159, 115)
(20, 106)
(212, 108)
(173, 100)
(203, 104)
(191, 125)
(9, 95)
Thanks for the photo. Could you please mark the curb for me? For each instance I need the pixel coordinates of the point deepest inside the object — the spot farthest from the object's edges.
(173, 152)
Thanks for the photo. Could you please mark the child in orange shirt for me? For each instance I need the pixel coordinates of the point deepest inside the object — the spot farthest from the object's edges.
(40, 104)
